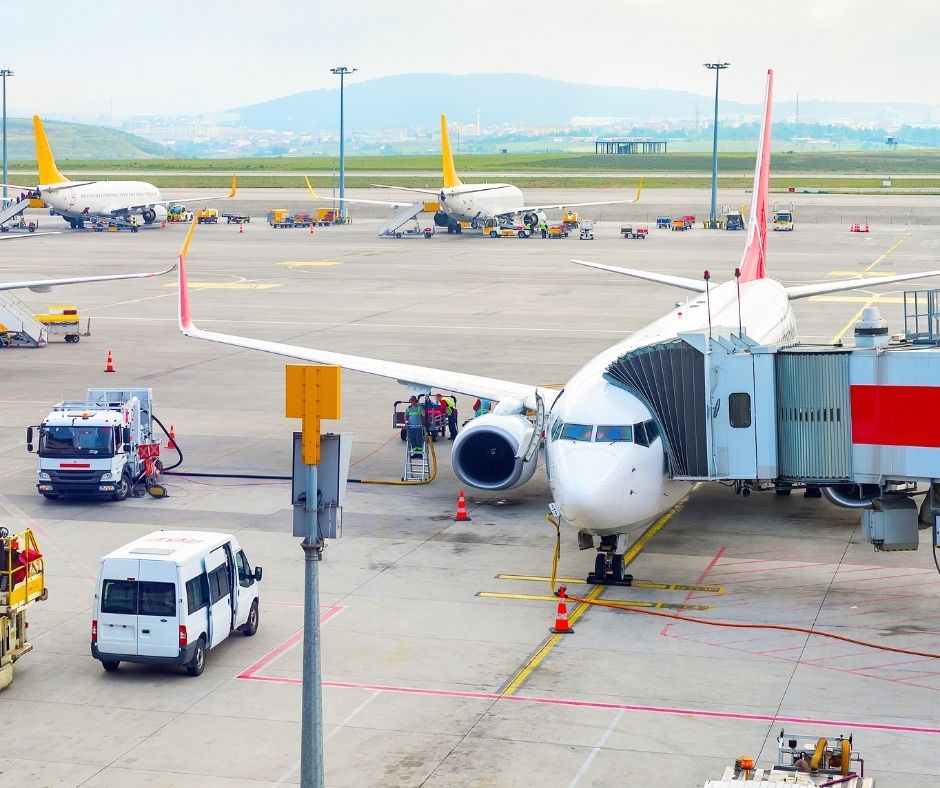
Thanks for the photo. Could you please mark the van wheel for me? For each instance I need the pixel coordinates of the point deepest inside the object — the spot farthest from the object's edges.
(251, 625)
(197, 664)
(50, 496)
(110, 666)
(124, 488)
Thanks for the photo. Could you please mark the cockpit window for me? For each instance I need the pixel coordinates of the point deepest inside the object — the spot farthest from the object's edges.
(556, 429)
(645, 432)
(577, 432)
(613, 433)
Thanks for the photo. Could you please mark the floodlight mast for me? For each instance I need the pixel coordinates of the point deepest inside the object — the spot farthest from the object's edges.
(4, 73)
(342, 71)
(712, 217)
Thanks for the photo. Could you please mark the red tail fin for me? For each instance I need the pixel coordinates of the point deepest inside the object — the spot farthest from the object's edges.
(753, 261)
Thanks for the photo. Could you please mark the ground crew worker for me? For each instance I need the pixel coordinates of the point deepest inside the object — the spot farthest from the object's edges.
(481, 407)
(449, 403)
(543, 226)
(414, 418)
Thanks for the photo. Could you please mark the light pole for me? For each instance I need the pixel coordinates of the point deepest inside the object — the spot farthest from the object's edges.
(712, 218)
(342, 71)
(4, 73)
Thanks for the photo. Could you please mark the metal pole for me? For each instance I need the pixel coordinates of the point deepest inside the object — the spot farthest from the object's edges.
(712, 214)
(5, 73)
(342, 71)
(311, 733)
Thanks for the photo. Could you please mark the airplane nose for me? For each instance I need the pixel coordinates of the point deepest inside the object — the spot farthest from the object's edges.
(592, 487)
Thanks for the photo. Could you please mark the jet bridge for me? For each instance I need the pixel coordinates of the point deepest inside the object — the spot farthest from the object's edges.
(857, 422)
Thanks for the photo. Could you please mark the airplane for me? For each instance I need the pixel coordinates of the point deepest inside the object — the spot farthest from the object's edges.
(45, 285)
(77, 202)
(604, 451)
(476, 203)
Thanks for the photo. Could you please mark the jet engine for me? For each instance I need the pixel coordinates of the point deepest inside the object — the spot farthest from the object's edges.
(148, 215)
(441, 219)
(531, 219)
(484, 453)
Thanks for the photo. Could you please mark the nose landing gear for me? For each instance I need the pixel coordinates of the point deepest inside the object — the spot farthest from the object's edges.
(609, 569)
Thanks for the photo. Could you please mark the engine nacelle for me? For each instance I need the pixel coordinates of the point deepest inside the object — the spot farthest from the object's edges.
(531, 219)
(441, 219)
(484, 453)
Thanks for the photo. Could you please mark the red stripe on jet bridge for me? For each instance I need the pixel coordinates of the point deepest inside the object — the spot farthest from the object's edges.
(896, 415)
(74, 464)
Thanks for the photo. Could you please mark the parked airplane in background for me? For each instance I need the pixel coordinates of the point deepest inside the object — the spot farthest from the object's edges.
(477, 202)
(79, 201)
(605, 453)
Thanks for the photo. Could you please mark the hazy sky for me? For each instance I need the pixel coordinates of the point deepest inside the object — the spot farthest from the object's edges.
(186, 57)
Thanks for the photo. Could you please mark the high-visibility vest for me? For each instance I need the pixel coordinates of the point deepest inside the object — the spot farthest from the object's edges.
(413, 415)
(450, 403)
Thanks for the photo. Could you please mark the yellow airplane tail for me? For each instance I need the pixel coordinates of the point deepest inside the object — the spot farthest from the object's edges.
(447, 157)
(48, 172)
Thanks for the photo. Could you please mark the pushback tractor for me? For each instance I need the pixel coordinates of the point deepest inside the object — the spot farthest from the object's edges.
(22, 584)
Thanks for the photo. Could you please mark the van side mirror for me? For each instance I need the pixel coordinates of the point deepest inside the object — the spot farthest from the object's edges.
(29, 439)
(258, 573)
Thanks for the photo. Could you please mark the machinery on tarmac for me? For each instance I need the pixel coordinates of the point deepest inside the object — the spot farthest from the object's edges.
(640, 232)
(783, 219)
(586, 230)
(281, 218)
(734, 220)
(570, 220)
(802, 760)
(236, 218)
(101, 446)
(207, 216)
(22, 584)
(178, 213)
(116, 224)
(663, 222)
(11, 215)
(508, 231)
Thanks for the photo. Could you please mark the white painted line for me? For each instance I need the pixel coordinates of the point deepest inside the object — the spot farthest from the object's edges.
(597, 748)
(7, 237)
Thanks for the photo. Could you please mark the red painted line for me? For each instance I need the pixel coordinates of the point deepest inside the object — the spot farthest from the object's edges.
(701, 579)
(326, 613)
(792, 568)
(591, 704)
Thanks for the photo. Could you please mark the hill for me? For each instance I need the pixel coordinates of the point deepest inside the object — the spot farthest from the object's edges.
(416, 100)
(78, 141)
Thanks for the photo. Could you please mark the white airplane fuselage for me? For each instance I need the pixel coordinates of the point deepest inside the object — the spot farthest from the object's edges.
(470, 202)
(102, 198)
(607, 488)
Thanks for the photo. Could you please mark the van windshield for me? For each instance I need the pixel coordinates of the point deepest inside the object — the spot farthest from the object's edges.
(133, 598)
(78, 440)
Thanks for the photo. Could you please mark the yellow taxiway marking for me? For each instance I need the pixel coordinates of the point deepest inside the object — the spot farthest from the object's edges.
(834, 299)
(617, 602)
(228, 285)
(523, 674)
(861, 273)
(308, 263)
(636, 584)
(873, 298)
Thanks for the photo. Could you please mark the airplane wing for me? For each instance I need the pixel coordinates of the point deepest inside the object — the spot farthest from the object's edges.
(43, 285)
(435, 192)
(354, 201)
(862, 283)
(639, 188)
(228, 196)
(665, 279)
(458, 382)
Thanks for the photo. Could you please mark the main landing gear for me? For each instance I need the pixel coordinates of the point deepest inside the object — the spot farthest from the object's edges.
(609, 569)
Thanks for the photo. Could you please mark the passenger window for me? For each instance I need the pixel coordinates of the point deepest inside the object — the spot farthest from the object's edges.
(739, 409)
(577, 432)
(119, 597)
(218, 584)
(197, 593)
(157, 599)
(607, 433)
(244, 569)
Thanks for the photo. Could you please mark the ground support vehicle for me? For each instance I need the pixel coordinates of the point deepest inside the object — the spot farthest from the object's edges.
(664, 223)
(236, 218)
(629, 231)
(207, 216)
(116, 224)
(557, 231)
(783, 220)
(570, 220)
(509, 231)
(22, 583)
(171, 596)
(20, 223)
(178, 213)
(62, 320)
(325, 217)
(101, 446)
(586, 230)
(734, 221)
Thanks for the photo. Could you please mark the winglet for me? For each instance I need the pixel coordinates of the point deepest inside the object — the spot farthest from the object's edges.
(48, 172)
(447, 157)
(310, 188)
(234, 187)
(754, 260)
(185, 321)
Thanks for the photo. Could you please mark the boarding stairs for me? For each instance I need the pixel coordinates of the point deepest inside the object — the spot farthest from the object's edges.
(418, 466)
(18, 326)
(401, 217)
(11, 211)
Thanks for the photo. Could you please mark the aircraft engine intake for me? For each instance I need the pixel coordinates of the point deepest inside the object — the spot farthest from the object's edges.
(149, 215)
(484, 453)
(441, 219)
(530, 219)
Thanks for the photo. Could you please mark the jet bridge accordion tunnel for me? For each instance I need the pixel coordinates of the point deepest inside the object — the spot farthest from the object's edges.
(859, 423)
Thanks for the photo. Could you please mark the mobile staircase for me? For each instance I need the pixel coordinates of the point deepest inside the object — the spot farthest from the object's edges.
(11, 211)
(402, 216)
(18, 326)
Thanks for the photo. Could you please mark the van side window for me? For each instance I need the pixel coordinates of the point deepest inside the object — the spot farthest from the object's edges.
(197, 593)
(119, 597)
(157, 599)
(244, 569)
(218, 583)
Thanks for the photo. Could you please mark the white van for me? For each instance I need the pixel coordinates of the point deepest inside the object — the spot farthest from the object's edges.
(168, 596)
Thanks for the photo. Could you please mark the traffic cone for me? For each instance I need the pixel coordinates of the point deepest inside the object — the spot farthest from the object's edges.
(171, 443)
(241, 228)
(311, 229)
(163, 224)
(562, 627)
(110, 365)
(867, 228)
(461, 515)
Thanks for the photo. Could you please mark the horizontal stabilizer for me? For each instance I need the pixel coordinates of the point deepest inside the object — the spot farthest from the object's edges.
(861, 283)
(666, 279)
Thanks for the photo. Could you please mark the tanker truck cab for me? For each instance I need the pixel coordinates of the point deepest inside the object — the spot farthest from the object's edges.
(170, 597)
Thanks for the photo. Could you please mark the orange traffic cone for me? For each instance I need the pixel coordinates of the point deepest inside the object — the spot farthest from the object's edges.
(311, 229)
(562, 627)
(109, 367)
(241, 228)
(461, 515)
(162, 224)
(171, 443)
